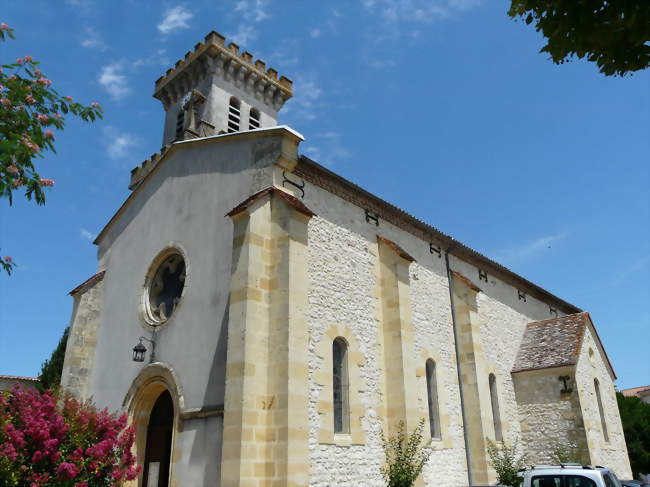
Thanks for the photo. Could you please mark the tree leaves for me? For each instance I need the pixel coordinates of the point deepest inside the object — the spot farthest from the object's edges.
(613, 34)
(30, 111)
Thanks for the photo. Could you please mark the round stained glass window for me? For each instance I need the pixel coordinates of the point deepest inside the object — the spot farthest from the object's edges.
(165, 288)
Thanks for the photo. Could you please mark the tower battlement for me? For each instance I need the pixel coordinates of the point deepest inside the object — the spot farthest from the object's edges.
(216, 89)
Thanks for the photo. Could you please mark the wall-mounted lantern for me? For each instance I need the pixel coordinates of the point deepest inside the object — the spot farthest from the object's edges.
(139, 351)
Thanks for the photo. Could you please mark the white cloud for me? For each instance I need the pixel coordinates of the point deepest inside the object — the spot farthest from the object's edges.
(286, 53)
(93, 40)
(118, 144)
(158, 58)
(314, 33)
(304, 105)
(635, 266)
(245, 34)
(393, 11)
(175, 18)
(253, 10)
(113, 80)
(328, 149)
(86, 235)
(526, 251)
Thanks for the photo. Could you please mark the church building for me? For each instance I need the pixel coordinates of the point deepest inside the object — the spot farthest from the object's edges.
(262, 320)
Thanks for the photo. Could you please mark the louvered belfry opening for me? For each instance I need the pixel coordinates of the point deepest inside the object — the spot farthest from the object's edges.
(234, 115)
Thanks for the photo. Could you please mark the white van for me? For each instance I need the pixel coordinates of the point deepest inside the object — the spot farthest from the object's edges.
(569, 475)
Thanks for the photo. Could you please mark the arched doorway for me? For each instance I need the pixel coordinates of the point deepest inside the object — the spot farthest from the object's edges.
(158, 447)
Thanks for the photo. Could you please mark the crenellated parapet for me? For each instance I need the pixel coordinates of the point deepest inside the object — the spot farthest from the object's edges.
(214, 56)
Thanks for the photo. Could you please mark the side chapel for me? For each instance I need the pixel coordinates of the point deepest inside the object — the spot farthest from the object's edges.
(262, 319)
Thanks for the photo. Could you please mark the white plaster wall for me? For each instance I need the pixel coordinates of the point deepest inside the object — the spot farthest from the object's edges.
(612, 453)
(184, 204)
(215, 109)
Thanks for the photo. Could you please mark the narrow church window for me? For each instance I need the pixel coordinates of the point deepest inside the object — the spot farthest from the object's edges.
(600, 409)
(340, 385)
(180, 122)
(494, 398)
(432, 396)
(254, 119)
(233, 115)
(165, 288)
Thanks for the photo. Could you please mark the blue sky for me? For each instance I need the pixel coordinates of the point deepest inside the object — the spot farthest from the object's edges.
(443, 107)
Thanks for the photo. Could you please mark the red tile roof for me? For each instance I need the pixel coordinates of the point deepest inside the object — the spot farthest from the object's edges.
(555, 342)
(87, 283)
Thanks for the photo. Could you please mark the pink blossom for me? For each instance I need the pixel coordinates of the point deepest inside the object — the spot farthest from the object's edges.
(43, 118)
(94, 104)
(68, 98)
(67, 470)
(11, 168)
(9, 259)
(19, 60)
(30, 99)
(4, 26)
(38, 73)
(57, 116)
(17, 182)
(27, 59)
(44, 81)
(5, 101)
(49, 134)
(47, 182)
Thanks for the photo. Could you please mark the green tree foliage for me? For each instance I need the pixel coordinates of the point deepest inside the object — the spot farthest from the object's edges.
(506, 462)
(50, 376)
(635, 416)
(564, 452)
(30, 111)
(614, 34)
(405, 457)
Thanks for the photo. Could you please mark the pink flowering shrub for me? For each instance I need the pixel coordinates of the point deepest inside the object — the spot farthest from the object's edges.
(47, 442)
(29, 109)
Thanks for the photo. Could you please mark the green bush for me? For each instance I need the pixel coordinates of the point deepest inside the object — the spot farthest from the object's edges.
(635, 416)
(405, 457)
(506, 462)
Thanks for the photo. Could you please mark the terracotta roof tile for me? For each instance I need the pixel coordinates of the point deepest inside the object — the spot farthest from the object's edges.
(551, 343)
(87, 283)
(292, 201)
(634, 391)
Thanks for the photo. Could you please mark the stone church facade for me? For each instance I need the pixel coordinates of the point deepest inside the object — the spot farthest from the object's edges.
(283, 316)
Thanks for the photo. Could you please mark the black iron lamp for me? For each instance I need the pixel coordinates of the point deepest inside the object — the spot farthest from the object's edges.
(139, 351)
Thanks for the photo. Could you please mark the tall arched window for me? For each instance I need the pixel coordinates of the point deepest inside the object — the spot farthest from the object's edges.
(340, 386)
(432, 397)
(496, 417)
(600, 409)
(233, 114)
(254, 119)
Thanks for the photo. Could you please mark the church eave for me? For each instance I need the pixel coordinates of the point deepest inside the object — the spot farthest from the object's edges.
(316, 174)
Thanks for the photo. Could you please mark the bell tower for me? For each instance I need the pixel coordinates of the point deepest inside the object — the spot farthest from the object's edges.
(216, 89)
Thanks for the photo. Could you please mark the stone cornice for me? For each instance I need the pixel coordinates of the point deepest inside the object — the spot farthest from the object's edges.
(214, 56)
